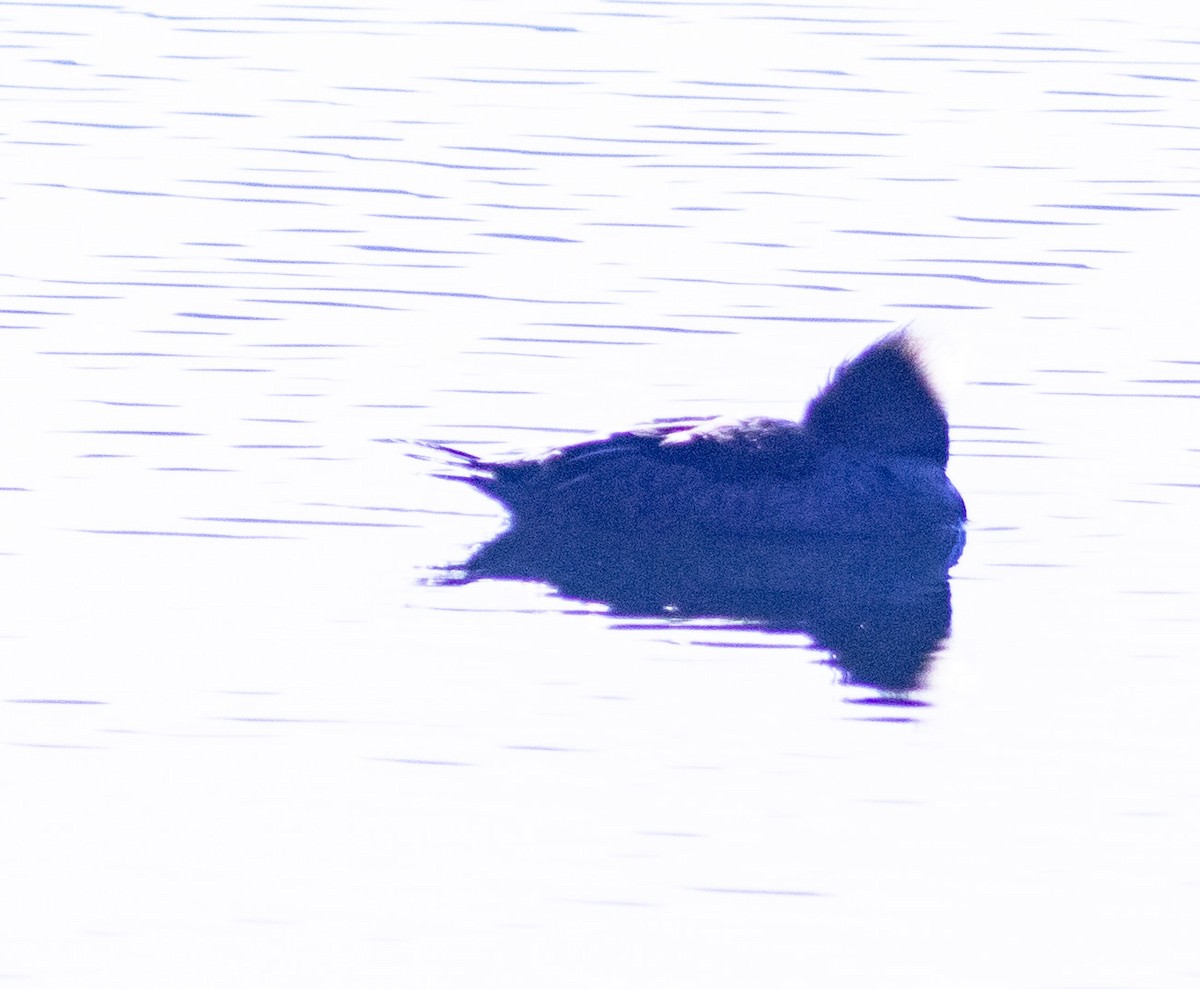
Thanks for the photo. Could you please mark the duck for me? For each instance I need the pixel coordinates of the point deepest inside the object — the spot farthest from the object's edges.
(867, 460)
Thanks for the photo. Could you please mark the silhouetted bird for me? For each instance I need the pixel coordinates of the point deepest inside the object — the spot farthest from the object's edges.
(842, 526)
(867, 460)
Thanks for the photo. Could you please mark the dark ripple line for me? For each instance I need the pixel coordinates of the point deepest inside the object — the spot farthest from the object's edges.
(740, 167)
(785, 86)
(1122, 394)
(548, 154)
(816, 154)
(212, 113)
(892, 233)
(725, 281)
(88, 123)
(396, 161)
(650, 140)
(368, 525)
(697, 98)
(325, 302)
(408, 250)
(347, 137)
(979, 279)
(635, 326)
(118, 192)
(1032, 223)
(1031, 264)
(279, 261)
(776, 130)
(1106, 207)
(135, 405)
(931, 305)
(307, 346)
(59, 89)
(315, 188)
(1020, 48)
(108, 353)
(529, 27)
(149, 532)
(574, 341)
(1078, 92)
(1096, 110)
(514, 82)
(553, 240)
(756, 892)
(133, 432)
(790, 319)
(172, 195)
(413, 216)
(334, 288)
(213, 315)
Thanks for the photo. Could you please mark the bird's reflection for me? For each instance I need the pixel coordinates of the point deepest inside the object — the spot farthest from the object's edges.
(880, 607)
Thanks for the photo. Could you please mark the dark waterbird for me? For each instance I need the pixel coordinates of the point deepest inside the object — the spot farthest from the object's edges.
(843, 524)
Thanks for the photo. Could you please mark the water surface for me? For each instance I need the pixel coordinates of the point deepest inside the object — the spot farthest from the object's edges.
(246, 744)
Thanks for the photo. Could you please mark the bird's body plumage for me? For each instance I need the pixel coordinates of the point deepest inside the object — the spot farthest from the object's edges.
(867, 460)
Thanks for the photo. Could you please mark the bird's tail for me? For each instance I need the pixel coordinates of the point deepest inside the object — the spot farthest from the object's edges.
(467, 466)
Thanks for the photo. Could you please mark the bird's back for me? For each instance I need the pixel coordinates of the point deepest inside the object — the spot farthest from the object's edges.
(867, 460)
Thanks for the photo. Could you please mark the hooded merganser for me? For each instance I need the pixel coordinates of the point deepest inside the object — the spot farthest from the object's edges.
(868, 460)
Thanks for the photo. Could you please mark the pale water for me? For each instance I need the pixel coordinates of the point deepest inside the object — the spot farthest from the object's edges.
(247, 743)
